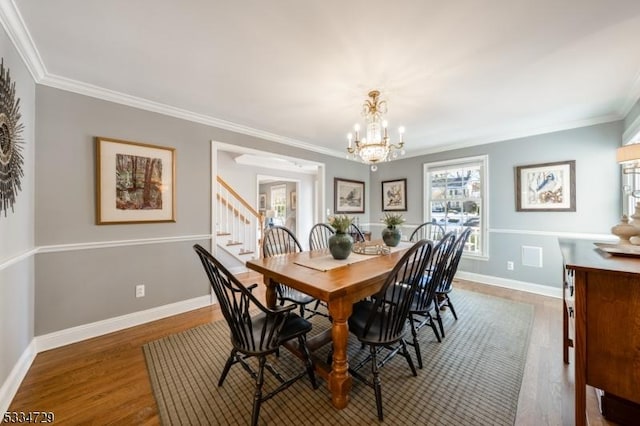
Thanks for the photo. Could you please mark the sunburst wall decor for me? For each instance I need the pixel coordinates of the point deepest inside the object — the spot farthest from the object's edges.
(11, 159)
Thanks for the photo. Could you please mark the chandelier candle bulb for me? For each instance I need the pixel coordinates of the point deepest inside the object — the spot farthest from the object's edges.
(376, 147)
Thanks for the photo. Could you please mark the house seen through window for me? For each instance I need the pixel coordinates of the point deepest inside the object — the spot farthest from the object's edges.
(455, 198)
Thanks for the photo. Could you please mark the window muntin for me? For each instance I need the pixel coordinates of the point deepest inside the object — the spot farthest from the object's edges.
(455, 193)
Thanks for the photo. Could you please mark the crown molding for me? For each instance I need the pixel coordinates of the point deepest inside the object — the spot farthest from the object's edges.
(21, 38)
(517, 135)
(19, 35)
(632, 133)
(630, 101)
(98, 92)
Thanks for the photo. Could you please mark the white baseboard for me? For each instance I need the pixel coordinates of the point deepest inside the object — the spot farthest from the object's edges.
(87, 331)
(512, 284)
(17, 374)
(99, 328)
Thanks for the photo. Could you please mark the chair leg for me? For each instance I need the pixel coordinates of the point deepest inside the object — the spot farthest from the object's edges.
(439, 318)
(416, 344)
(227, 366)
(405, 352)
(377, 389)
(302, 342)
(453, 311)
(432, 323)
(301, 311)
(257, 398)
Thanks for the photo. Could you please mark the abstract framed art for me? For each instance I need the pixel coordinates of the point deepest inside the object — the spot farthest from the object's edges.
(135, 182)
(394, 195)
(546, 187)
(348, 196)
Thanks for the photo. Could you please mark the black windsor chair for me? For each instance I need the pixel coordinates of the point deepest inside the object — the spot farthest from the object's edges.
(381, 321)
(255, 336)
(446, 282)
(280, 240)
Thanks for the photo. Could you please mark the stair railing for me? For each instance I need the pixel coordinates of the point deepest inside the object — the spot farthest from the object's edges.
(237, 220)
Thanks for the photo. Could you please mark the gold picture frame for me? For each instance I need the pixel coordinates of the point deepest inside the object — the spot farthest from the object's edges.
(135, 182)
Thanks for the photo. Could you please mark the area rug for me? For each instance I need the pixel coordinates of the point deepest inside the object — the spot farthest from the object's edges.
(472, 378)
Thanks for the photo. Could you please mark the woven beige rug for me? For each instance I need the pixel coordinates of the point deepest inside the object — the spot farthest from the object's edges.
(472, 378)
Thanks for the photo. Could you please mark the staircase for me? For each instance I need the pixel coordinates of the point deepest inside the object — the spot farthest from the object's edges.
(238, 224)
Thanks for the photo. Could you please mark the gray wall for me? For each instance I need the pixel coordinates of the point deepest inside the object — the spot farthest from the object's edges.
(16, 230)
(598, 196)
(75, 287)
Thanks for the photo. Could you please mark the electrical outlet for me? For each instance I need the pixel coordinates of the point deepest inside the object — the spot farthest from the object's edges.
(509, 266)
(140, 290)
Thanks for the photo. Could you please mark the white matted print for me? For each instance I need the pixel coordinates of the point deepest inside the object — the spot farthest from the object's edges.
(394, 195)
(348, 196)
(546, 187)
(135, 182)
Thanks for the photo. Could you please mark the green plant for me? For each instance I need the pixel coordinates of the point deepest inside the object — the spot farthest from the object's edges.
(340, 223)
(393, 219)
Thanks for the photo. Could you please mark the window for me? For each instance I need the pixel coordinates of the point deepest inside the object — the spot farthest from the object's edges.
(455, 195)
(279, 203)
(631, 190)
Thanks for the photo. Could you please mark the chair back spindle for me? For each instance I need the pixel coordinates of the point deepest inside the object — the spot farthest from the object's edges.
(428, 231)
(356, 233)
(319, 236)
(236, 302)
(279, 240)
(453, 261)
(433, 273)
(388, 316)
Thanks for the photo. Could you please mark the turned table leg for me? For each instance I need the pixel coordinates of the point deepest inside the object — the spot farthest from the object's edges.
(270, 293)
(339, 378)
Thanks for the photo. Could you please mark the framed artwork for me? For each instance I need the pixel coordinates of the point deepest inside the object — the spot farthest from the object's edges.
(394, 195)
(135, 182)
(262, 202)
(293, 200)
(11, 142)
(348, 196)
(546, 187)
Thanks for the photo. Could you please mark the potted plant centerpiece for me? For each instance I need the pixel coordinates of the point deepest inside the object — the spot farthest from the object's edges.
(340, 243)
(391, 234)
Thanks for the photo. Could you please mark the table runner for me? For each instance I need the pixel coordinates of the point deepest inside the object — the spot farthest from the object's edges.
(327, 262)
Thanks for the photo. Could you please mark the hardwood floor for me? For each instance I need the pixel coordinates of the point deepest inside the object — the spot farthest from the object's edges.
(104, 380)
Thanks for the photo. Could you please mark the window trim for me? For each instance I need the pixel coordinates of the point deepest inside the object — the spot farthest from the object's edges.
(483, 160)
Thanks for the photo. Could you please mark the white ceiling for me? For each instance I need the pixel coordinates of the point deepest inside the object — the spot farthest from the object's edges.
(454, 73)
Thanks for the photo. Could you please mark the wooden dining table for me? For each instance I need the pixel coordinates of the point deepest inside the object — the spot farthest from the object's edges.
(340, 287)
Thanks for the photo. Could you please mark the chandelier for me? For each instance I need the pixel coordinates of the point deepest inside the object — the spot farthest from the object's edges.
(375, 147)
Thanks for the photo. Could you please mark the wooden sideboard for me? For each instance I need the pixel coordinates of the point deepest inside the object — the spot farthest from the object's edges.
(601, 321)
